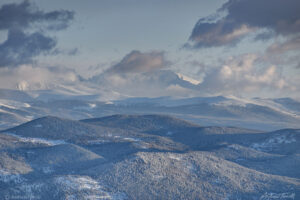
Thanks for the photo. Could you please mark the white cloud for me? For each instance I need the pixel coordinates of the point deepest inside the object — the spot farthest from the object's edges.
(148, 84)
(29, 77)
(247, 75)
(145, 74)
(243, 75)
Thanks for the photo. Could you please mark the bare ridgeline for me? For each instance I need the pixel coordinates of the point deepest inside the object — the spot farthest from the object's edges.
(145, 156)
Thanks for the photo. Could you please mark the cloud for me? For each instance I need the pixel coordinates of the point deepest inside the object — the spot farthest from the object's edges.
(26, 28)
(248, 75)
(239, 75)
(147, 84)
(290, 44)
(26, 15)
(218, 34)
(251, 74)
(144, 74)
(20, 48)
(242, 17)
(137, 62)
(244, 75)
(284, 53)
(28, 77)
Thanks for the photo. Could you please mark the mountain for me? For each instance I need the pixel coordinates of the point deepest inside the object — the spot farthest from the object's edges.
(196, 175)
(163, 78)
(54, 128)
(288, 104)
(17, 107)
(217, 111)
(146, 157)
(142, 123)
(15, 95)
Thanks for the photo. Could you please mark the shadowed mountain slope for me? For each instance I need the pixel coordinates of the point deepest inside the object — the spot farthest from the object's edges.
(147, 157)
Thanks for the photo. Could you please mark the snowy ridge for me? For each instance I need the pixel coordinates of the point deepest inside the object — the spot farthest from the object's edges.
(37, 140)
(17, 107)
(13, 104)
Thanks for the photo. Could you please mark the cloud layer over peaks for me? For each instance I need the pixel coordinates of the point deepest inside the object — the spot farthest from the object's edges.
(243, 75)
(27, 77)
(143, 74)
(247, 74)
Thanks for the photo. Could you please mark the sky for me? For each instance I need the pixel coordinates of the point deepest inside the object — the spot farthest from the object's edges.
(247, 48)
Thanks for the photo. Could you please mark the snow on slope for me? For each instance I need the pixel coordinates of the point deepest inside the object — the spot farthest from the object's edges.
(272, 142)
(37, 140)
(75, 185)
(88, 101)
(280, 107)
(188, 79)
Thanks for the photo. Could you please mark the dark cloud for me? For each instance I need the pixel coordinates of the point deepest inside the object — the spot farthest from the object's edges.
(277, 17)
(26, 26)
(20, 48)
(69, 52)
(265, 35)
(137, 62)
(282, 16)
(26, 15)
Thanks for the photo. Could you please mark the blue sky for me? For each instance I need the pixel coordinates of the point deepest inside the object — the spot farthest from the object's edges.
(234, 47)
(106, 30)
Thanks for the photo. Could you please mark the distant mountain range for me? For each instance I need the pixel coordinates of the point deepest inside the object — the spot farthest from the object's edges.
(146, 157)
(66, 144)
(261, 114)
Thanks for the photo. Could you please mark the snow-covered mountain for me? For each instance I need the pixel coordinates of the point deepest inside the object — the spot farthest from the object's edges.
(262, 114)
(93, 147)
(146, 157)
